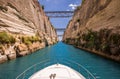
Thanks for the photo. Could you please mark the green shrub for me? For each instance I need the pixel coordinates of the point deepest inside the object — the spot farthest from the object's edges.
(35, 39)
(26, 40)
(83, 1)
(6, 38)
(30, 39)
(101, 40)
(67, 40)
(43, 7)
(115, 38)
(12, 39)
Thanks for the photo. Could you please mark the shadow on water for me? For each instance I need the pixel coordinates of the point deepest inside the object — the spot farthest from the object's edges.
(98, 66)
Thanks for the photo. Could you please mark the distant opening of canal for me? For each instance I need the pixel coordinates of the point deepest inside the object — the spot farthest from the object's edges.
(101, 68)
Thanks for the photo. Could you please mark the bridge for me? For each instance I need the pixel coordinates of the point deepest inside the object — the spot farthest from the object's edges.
(59, 35)
(60, 30)
(59, 14)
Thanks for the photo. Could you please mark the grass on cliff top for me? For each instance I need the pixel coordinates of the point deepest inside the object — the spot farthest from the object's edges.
(6, 38)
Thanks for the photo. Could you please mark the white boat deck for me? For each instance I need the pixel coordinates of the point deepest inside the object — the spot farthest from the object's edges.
(58, 71)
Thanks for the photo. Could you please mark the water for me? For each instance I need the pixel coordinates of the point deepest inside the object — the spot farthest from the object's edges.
(100, 67)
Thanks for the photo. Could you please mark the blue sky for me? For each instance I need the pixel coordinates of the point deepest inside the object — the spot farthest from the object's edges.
(59, 5)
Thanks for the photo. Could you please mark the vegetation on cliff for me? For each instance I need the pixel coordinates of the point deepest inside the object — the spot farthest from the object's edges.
(30, 39)
(12, 46)
(23, 28)
(95, 27)
(6, 38)
(104, 41)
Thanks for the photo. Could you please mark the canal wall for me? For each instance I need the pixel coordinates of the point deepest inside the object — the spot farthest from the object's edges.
(24, 28)
(95, 26)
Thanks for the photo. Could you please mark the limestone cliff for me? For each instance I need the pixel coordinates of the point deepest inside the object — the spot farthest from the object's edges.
(95, 27)
(24, 28)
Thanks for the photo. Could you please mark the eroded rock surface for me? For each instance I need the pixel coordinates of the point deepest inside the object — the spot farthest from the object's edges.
(95, 26)
(26, 22)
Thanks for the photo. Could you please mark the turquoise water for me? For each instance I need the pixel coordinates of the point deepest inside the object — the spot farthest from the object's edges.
(101, 68)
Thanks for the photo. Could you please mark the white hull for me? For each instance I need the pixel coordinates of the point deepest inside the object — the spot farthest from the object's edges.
(57, 71)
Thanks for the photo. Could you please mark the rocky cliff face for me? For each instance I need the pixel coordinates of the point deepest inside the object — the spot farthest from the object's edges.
(24, 28)
(95, 26)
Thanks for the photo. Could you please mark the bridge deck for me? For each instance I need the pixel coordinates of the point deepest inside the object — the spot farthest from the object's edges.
(59, 14)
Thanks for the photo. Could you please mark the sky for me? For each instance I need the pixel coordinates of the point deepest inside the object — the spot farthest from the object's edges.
(60, 5)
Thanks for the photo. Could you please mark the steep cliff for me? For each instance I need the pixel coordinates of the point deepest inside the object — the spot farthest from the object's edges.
(24, 28)
(95, 27)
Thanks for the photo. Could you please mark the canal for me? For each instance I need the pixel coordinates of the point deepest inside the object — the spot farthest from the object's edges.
(100, 67)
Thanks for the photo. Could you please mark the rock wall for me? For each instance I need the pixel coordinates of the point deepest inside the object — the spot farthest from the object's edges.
(95, 26)
(24, 28)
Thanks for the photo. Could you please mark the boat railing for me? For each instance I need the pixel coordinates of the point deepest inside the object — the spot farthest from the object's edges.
(72, 64)
(34, 68)
(78, 67)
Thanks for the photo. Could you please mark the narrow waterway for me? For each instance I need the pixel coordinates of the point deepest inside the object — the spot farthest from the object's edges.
(101, 68)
